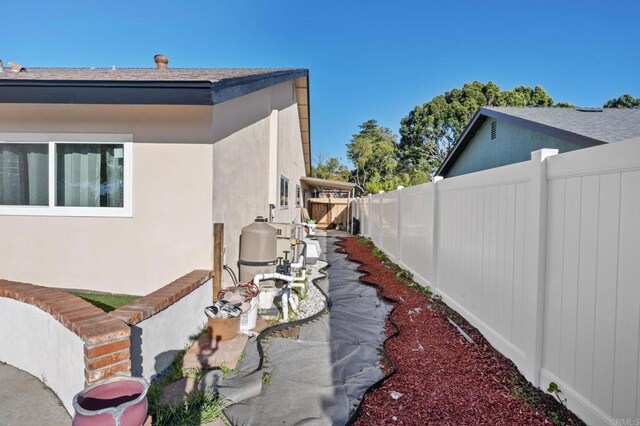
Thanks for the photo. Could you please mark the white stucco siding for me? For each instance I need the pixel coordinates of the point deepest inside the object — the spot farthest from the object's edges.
(290, 159)
(169, 233)
(248, 131)
(35, 342)
(157, 340)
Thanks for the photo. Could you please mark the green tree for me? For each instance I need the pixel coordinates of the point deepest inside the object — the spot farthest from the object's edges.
(373, 152)
(624, 101)
(429, 131)
(331, 169)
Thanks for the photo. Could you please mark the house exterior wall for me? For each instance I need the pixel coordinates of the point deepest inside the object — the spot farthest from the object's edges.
(193, 166)
(513, 144)
(170, 229)
(256, 139)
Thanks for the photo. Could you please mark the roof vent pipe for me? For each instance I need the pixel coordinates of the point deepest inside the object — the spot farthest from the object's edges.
(161, 61)
(16, 67)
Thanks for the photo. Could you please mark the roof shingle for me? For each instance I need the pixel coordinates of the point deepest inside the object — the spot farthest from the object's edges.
(607, 125)
(136, 74)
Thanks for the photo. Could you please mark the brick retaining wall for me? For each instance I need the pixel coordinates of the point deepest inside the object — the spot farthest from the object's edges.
(106, 339)
(106, 336)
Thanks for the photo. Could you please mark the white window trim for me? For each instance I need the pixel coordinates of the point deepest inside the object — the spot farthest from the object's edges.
(284, 206)
(52, 209)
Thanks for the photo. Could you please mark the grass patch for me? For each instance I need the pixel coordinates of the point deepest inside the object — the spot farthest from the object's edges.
(106, 301)
(198, 407)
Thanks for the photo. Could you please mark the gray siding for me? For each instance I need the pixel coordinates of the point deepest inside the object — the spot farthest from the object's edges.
(512, 144)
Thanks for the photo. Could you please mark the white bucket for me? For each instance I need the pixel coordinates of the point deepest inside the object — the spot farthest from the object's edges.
(267, 295)
(248, 319)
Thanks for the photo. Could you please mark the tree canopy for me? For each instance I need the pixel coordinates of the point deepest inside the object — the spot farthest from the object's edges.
(373, 152)
(624, 101)
(331, 169)
(429, 131)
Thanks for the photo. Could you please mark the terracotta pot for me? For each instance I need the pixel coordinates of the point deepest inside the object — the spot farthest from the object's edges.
(117, 401)
(223, 328)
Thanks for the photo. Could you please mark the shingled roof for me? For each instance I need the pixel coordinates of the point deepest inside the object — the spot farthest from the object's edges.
(586, 126)
(153, 86)
(139, 74)
(605, 125)
(198, 86)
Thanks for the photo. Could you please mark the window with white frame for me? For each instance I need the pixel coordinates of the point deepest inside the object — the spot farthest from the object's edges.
(65, 178)
(298, 196)
(284, 192)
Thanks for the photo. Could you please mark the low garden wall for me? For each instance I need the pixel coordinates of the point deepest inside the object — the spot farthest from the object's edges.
(162, 322)
(68, 343)
(61, 339)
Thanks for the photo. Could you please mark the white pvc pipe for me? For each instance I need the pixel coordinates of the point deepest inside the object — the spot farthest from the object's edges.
(285, 307)
(299, 264)
(273, 276)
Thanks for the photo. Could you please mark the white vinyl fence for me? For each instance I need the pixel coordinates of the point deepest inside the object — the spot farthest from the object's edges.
(543, 257)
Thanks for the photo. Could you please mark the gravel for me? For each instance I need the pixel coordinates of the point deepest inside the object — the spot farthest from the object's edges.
(314, 301)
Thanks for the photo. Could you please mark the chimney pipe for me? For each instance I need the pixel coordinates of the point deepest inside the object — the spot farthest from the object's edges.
(161, 61)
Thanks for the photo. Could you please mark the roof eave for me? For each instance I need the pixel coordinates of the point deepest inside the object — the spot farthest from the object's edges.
(143, 92)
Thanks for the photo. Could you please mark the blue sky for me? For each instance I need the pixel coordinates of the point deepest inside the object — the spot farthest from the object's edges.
(367, 59)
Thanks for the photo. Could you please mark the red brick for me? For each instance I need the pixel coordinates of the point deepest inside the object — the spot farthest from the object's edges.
(102, 373)
(128, 315)
(100, 350)
(80, 315)
(103, 331)
(106, 360)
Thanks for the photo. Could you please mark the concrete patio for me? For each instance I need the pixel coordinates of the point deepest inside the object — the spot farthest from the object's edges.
(25, 400)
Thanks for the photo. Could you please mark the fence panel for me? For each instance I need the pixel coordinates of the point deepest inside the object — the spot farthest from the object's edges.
(390, 224)
(481, 246)
(592, 298)
(416, 230)
(375, 214)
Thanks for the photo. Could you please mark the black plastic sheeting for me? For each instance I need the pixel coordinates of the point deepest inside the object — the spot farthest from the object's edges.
(320, 378)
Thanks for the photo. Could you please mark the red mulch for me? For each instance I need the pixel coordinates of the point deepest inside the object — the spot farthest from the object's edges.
(443, 378)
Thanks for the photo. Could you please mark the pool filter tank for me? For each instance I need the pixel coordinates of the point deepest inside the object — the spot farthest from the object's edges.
(258, 250)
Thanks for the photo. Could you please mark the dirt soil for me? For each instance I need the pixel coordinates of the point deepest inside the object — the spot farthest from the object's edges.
(441, 378)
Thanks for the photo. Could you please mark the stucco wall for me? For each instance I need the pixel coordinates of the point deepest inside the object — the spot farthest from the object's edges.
(290, 160)
(51, 353)
(513, 144)
(156, 341)
(170, 231)
(192, 167)
(246, 132)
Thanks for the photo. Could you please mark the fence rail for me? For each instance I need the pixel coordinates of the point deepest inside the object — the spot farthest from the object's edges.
(543, 257)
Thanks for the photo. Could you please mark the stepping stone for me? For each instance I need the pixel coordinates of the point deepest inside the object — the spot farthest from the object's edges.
(173, 393)
(206, 354)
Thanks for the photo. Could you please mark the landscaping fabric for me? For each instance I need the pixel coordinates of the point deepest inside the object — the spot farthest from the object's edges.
(437, 375)
(321, 377)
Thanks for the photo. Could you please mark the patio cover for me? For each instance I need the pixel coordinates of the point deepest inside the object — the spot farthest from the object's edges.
(326, 183)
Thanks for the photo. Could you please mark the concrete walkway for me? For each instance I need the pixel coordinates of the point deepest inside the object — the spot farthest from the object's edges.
(25, 400)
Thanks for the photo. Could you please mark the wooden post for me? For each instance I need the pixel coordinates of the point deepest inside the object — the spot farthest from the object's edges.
(218, 248)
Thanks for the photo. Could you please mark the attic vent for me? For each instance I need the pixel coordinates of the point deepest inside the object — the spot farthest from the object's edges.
(493, 130)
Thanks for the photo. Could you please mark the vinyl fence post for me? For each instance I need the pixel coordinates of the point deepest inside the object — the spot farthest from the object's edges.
(433, 209)
(535, 262)
(398, 253)
(369, 216)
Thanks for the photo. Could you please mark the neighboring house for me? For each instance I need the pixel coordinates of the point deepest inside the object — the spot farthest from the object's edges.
(111, 179)
(497, 136)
